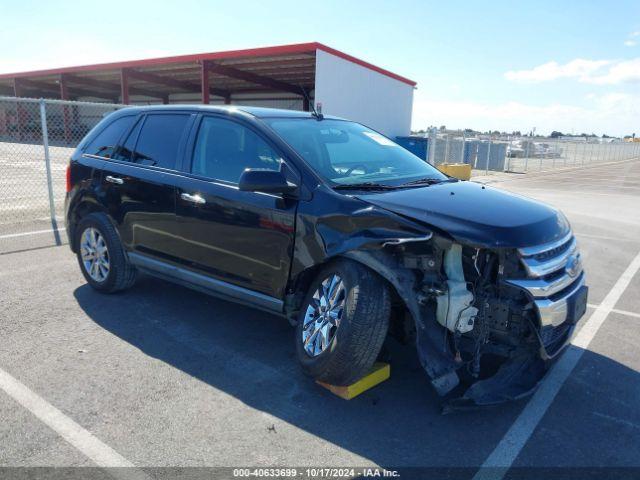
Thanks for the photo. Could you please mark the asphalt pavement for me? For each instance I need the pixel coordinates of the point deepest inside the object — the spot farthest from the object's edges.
(162, 376)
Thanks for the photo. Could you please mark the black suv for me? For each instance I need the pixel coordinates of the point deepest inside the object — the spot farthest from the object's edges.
(337, 228)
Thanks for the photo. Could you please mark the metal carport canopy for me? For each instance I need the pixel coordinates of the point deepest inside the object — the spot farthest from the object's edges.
(285, 69)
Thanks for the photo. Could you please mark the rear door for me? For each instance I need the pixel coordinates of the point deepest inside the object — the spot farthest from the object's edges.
(139, 181)
(243, 238)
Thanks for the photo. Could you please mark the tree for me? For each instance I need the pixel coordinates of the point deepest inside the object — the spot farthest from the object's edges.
(556, 134)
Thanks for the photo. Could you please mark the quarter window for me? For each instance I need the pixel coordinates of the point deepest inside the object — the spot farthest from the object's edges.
(224, 149)
(106, 141)
(125, 151)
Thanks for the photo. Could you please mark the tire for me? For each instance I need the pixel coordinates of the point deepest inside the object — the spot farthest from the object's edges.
(120, 274)
(355, 343)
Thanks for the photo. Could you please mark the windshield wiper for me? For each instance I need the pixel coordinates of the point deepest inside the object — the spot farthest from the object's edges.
(364, 186)
(429, 181)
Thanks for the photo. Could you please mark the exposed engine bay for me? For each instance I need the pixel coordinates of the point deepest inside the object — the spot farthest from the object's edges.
(478, 328)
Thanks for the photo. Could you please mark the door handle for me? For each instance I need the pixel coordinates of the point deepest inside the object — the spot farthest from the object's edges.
(197, 199)
(116, 180)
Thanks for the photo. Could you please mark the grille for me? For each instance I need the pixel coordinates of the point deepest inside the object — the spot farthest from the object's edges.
(553, 274)
(554, 252)
(548, 259)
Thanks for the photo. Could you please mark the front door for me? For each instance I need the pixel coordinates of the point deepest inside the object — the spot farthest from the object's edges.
(243, 238)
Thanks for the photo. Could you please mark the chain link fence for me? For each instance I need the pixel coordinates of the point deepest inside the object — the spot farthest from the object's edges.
(37, 138)
(539, 154)
(487, 153)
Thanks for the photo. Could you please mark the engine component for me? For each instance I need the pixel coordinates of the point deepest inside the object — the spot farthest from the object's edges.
(455, 311)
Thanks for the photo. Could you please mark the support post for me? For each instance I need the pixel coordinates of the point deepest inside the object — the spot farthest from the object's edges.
(431, 153)
(47, 164)
(64, 95)
(204, 82)
(227, 100)
(446, 150)
(486, 168)
(20, 112)
(124, 86)
(305, 104)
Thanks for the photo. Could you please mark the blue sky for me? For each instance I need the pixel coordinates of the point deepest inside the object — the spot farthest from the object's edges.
(506, 65)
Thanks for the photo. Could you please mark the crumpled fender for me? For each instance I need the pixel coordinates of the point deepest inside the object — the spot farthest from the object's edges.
(332, 225)
(325, 229)
(435, 355)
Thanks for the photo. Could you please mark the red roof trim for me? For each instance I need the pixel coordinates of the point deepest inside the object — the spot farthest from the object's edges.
(251, 52)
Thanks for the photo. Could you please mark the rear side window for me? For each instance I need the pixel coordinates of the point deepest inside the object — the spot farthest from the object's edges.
(105, 143)
(158, 140)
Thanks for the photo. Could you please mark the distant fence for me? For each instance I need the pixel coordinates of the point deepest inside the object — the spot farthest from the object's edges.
(37, 138)
(518, 154)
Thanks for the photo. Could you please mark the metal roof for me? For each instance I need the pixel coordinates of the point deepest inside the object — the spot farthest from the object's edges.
(286, 68)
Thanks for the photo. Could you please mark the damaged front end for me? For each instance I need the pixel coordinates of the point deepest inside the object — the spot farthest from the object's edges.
(487, 320)
(492, 294)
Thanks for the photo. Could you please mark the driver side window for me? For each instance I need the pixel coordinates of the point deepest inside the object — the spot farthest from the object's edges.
(224, 149)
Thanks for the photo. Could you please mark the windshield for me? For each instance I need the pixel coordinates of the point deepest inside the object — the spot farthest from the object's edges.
(347, 153)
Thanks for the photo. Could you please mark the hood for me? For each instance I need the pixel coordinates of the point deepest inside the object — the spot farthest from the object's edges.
(475, 214)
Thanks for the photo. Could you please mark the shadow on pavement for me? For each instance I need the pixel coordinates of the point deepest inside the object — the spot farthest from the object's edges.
(250, 355)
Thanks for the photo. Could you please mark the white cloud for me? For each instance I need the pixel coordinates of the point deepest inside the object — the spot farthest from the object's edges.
(627, 71)
(613, 113)
(67, 53)
(630, 43)
(578, 68)
(599, 72)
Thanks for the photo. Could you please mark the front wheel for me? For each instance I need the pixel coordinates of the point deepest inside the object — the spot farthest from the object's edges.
(101, 256)
(342, 323)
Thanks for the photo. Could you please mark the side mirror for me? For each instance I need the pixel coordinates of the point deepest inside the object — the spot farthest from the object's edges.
(266, 181)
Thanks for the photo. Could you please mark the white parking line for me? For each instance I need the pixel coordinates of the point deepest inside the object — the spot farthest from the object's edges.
(605, 237)
(616, 310)
(13, 235)
(100, 453)
(506, 452)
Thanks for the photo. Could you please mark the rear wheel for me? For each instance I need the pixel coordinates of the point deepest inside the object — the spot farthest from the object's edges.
(101, 256)
(343, 323)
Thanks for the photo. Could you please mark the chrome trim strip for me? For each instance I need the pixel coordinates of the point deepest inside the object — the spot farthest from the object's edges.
(554, 312)
(211, 285)
(537, 268)
(535, 250)
(95, 157)
(541, 288)
(400, 241)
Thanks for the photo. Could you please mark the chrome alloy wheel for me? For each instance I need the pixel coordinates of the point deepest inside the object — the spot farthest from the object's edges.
(323, 315)
(94, 254)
